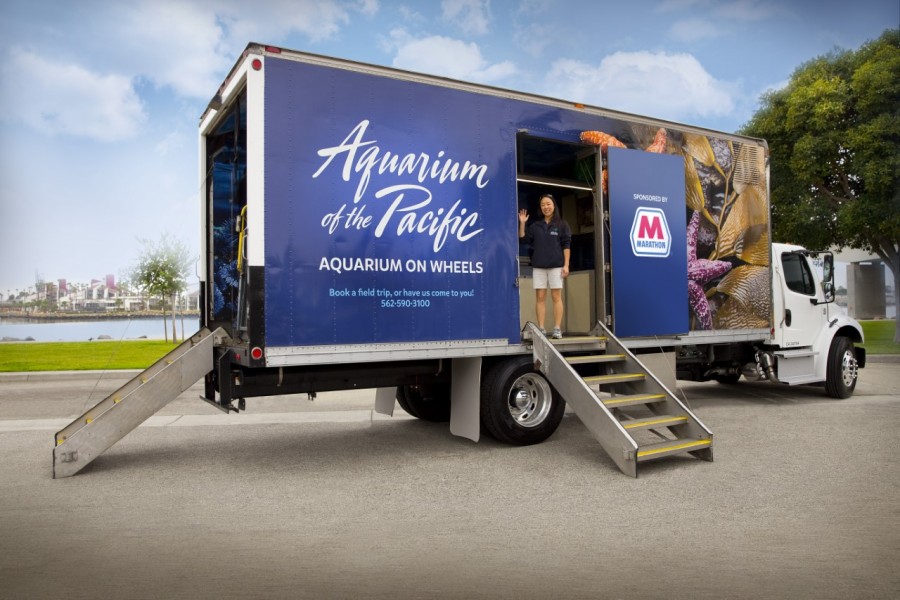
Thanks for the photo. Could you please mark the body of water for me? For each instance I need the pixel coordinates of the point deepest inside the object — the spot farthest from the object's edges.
(82, 331)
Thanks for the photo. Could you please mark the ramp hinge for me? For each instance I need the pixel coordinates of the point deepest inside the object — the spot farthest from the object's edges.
(68, 457)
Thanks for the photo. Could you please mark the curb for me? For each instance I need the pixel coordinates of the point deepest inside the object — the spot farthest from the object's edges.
(883, 358)
(23, 377)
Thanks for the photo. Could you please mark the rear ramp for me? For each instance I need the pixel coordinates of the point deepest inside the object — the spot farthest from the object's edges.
(630, 412)
(91, 434)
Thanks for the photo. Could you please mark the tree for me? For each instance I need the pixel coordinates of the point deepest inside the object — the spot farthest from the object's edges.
(162, 270)
(834, 139)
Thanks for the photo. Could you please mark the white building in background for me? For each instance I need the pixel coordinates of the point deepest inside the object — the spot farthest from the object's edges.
(871, 289)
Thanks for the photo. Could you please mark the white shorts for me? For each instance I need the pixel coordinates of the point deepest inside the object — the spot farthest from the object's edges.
(547, 278)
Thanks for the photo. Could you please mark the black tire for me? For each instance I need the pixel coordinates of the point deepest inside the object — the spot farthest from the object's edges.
(518, 404)
(730, 379)
(426, 402)
(842, 369)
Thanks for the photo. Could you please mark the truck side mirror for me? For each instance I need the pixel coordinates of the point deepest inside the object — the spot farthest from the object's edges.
(828, 276)
(828, 268)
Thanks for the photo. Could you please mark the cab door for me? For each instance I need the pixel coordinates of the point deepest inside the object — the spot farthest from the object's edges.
(802, 316)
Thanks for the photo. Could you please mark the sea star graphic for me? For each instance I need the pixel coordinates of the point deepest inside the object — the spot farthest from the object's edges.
(700, 272)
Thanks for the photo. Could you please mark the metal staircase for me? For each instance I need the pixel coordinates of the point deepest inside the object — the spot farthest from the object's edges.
(112, 418)
(630, 412)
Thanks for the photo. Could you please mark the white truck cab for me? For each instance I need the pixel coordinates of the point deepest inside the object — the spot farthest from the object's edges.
(811, 340)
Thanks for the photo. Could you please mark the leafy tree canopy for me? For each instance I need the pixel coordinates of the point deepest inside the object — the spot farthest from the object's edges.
(834, 140)
(162, 270)
(163, 267)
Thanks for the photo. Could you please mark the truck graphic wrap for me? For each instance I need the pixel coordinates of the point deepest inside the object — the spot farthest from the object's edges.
(396, 217)
(727, 215)
(728, 234)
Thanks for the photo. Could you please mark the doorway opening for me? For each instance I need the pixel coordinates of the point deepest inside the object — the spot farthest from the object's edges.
(568, 171)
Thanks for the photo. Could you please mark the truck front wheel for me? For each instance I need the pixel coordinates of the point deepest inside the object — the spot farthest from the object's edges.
(427, 402)
(518, 404)
(842, 368)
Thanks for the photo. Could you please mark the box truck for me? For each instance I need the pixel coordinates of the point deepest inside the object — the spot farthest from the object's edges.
(359, 230)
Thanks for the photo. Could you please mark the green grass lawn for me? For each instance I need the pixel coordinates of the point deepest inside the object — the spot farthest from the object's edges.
(140, 354)
(81, 356)
(880, 337)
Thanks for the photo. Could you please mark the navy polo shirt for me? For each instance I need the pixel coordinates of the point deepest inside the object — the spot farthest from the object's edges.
(547, 241)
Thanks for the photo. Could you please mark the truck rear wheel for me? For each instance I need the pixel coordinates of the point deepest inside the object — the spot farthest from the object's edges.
(842, 368)
(518, 404)
(426, 402)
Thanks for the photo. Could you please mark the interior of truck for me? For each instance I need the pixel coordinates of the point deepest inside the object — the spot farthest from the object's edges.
(568, 171)
(226, 190)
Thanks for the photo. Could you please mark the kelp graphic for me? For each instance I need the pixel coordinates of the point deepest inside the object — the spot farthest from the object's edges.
(726, 193)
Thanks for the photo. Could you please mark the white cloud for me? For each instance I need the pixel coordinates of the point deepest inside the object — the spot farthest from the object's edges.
(693, 30)
(447, 57)
(738, 10)
(172, 44)
(749, 10)
(716, 18)
(368, 7)
(65, 98)
(471, 16)
(189, 46)
(87, 84)
(271, 21)
(669, 86)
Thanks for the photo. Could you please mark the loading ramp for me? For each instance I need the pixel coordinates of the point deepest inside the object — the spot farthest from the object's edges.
(91, 434)
(627, 409)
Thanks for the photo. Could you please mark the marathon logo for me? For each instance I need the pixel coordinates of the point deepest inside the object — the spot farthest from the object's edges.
(650, 234)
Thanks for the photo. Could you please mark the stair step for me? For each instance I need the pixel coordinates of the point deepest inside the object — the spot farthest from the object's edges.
(654, 422)
(579, 342)
(614, 378)
(670, 447)
(619, 401)
(594, 358)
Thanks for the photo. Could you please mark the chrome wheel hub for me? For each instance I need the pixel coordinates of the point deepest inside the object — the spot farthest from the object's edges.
(848, 368)
(530, 400)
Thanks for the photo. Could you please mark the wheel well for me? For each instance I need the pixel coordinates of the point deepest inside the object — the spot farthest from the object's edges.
(850, 332)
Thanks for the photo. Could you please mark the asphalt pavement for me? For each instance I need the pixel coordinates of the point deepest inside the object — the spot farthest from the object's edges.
(325, 499)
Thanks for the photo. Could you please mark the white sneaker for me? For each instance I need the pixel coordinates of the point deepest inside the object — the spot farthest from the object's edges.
(557, 334)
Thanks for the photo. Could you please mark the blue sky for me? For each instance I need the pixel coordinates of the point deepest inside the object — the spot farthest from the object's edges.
(100, 100)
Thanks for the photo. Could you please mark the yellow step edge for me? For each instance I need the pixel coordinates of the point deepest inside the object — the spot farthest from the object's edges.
(694, 444)
(609, 357)
(579, 339)
(618, 376)
(614, 401)
(669, 420)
